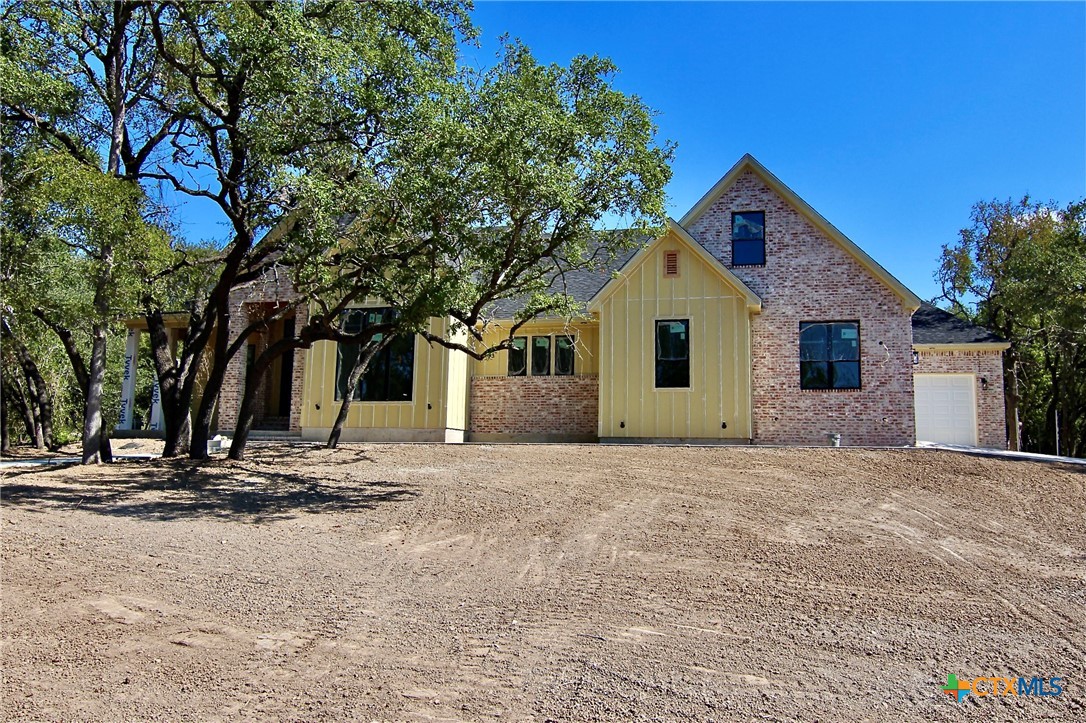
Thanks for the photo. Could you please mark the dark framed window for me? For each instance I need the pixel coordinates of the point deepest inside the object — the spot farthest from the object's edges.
(829, 355)
(541, 356)
(748, 238)
(391, 373)
(672, 353)
(518, 357)
(564, 347)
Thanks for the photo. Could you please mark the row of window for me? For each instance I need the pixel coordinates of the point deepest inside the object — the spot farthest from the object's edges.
(541, 358)
(829, 354)
(829, 357)
(390, 376)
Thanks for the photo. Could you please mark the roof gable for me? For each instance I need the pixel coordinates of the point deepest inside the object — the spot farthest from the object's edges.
(675, 231)
(748, 162)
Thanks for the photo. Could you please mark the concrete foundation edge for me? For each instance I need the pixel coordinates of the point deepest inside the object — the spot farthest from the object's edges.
(531, 438)
(674, 440)
(375, 434)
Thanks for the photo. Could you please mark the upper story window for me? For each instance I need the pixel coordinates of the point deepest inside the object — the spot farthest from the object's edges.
(543, 354)
(390, 375)
(829, 355)
(748, 238)
(673, 354)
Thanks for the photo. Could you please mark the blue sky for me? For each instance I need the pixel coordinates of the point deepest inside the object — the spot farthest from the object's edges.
(891, 119)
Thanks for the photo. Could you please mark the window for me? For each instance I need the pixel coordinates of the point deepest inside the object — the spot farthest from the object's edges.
(535, 359)
(829, 355)
(541, 356)
(673, 354)
(564, 347)
(390, 376)
(748, 238)
(671, 263)
(518, 357)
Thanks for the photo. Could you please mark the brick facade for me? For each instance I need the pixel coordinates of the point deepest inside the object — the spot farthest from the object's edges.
(551, 407)
(248, 303)
(809, 277)
(991, 415)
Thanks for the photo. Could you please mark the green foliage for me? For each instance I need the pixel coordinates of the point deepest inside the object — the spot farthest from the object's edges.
(492, 188)
(55, 214)
(339, 142)
(1020, 270)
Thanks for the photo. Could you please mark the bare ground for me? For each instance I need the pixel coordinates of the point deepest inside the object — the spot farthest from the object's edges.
(542, 582)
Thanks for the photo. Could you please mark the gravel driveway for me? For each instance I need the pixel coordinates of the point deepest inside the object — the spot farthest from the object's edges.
(420, 582)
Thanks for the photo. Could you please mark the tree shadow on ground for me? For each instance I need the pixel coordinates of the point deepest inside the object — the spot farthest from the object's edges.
(182, 489)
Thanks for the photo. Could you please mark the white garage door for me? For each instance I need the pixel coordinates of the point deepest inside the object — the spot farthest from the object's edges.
(946, 408)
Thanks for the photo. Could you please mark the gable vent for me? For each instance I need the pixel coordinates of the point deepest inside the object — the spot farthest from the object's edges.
(671, 263)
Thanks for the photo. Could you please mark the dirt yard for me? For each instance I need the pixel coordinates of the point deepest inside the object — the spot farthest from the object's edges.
(543, 582)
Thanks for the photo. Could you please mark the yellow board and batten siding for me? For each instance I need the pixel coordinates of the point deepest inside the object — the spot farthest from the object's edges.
(719, 344)
(438, 403)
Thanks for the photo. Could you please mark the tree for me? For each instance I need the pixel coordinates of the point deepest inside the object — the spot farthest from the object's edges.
(226, 104)
(270, 92)
(1020, 270)
(494, 189)
(77, 77)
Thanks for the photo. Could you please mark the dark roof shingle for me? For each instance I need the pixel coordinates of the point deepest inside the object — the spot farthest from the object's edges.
(581, 284)
(932, 325)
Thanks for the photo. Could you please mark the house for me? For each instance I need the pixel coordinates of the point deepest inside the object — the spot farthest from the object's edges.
(750, 320)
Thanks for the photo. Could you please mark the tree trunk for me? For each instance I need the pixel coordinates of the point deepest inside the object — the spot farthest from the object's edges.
(245, 409)
(15, 393)
(5, 440)
(361, 364)
(92, 416)
(37, 397)
(79, 369)
(37, 433)
(201, 429)
(32, 413)
(175, 405)
(40, 404)
(67, 338)
(115, 66)
(1011, 398)
(248, 400)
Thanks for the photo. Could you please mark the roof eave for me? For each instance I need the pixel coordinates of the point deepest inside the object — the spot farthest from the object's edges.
(964, 346)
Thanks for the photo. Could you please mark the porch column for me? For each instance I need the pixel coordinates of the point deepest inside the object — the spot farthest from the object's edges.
(128, 380)
(156, 407)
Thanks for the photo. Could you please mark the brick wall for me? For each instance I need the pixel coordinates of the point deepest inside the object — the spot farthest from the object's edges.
(247, 303)
(540, 406)
(808, 277)
(297, 382)
(991, 415)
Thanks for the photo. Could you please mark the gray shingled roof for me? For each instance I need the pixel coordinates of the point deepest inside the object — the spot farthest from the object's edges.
(582, 284)
(932, 325)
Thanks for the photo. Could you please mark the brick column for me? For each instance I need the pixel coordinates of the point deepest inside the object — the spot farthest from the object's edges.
(233, 384)
(297, 382)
